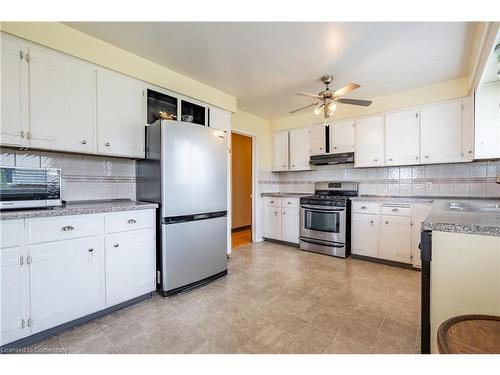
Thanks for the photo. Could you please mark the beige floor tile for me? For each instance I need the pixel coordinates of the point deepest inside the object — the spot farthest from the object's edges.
(345, 345)
(276, 299)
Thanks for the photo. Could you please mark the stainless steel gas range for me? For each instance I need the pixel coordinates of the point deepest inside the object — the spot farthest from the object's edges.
(325, 218)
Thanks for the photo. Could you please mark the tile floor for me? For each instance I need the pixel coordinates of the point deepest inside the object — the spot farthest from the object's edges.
(276, 299)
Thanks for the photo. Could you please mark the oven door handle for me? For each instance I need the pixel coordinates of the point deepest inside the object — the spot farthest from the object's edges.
(320, 242)
(321, 209)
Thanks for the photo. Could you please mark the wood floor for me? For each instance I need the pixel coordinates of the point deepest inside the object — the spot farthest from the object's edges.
(241, 238)
(275, 299)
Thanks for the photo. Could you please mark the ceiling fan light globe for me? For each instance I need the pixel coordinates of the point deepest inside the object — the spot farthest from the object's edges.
(317, 111)
(331, 108)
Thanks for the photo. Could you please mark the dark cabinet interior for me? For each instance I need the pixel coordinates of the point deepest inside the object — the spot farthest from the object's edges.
(161, 106)
(191, 112)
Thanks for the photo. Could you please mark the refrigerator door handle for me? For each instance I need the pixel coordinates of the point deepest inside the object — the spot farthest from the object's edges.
(194, 217)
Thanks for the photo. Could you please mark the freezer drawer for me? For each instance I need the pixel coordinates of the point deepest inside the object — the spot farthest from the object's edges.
(193, 251)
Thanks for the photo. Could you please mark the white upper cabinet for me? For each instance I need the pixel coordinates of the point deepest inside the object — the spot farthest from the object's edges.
(342, 137)
(487, 121)
(220, 119)
(299, 149)
(14, 92)
(402, 137)
(120, 115)
(62, 102)
(441, 132)
(280, 151)
(317, 139)
(369, 151)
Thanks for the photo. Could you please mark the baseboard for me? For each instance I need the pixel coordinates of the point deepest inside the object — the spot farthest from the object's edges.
(281, 242)
(239, 229)
(383, 261)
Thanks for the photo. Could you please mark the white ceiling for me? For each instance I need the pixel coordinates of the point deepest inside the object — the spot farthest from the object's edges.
(262, 64)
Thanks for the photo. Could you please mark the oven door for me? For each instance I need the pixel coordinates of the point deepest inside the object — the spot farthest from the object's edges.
(323, 222)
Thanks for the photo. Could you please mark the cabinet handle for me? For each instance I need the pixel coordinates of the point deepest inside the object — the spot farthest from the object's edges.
(321, 148)
(395, 210)
(91, 250)
(23, 323)
(284, 165)
(30, 322)
(67, 228)
(29, 259)
(284, 212)
(293, 165)
(387, 222)
(335, 147)
(363, 207)
(21, 56)
(84, 141)
(375, 159)
(116, 245)
(22, 134)
(416, 157)
(371, 221)
(390, 159)
(427, 156)
(131, 221)
(275, 213)
(28, 135)
(106, 144)
(289, 202)
(272, 201)
(21, 260)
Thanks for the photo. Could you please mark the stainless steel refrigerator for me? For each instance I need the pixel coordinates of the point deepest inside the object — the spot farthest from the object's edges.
(185, 172)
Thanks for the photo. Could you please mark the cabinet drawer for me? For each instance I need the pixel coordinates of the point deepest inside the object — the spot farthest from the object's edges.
(129, 220)
(63, 228)
(365, 207)
(272, 201)
(396, 210)
(290, 202)
(12, 232)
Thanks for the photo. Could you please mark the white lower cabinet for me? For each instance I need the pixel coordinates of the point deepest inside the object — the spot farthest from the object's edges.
(365, 235)
(395, 238)
(130, 265)
(66, 281)
(290, 224)
(386, 231)
(58, 269)
(281, 220)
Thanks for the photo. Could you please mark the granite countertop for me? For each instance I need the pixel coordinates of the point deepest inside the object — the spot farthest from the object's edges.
(78, 208)
(284, 195)
(415, 199)
(442, 219)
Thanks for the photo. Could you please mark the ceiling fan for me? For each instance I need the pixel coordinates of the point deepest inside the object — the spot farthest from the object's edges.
(326, 100)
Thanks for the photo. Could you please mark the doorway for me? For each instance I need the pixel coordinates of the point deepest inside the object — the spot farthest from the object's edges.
(241, 199)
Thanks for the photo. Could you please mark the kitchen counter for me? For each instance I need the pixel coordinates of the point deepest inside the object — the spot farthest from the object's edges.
(285, 195)
(442, 219)
(380, 198)
(78, 208)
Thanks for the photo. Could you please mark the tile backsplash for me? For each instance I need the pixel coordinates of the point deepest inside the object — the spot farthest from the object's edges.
(85, 177)
(476, 179)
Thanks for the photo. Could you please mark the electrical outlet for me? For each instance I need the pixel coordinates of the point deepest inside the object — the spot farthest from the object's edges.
(428, 185)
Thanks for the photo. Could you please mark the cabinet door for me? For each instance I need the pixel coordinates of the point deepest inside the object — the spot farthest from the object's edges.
(290, 224)
(365, 235)
(299, 149)
(369, 147)
(66, 281)
(220, 119)
(14, 91)
(342, 137)
(271, 222)
(62, 102)
(395, 238)
(441, 132)
(130, 265)
(120, 115)
(402, 132)
(420, 211)
(317, 139)
(280, 151)
(487, 120)
(14, 295)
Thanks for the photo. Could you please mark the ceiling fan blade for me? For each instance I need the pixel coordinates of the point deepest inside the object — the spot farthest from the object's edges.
(308, 95)
(302, 108)
(347, 88)
(364, 103)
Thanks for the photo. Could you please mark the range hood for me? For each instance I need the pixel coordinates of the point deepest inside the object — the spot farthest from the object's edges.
(328, 159)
